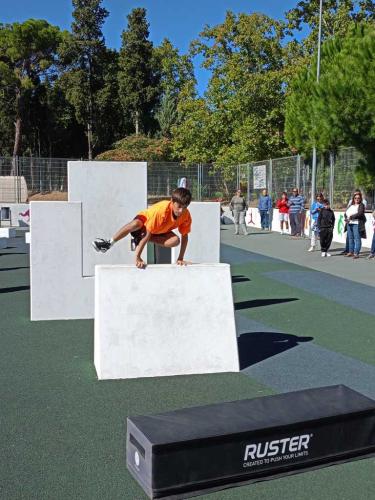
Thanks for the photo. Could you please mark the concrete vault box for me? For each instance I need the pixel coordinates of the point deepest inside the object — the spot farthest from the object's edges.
(164, 320)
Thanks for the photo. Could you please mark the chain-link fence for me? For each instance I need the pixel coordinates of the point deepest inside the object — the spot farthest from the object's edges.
(28, 178)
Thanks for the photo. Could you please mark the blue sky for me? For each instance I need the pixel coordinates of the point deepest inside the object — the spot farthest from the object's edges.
(179, 20)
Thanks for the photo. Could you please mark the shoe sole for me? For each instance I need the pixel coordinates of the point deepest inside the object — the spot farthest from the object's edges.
(97, 249)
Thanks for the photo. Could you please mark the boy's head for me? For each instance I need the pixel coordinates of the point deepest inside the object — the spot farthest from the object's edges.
(181, 198)
(326, 203)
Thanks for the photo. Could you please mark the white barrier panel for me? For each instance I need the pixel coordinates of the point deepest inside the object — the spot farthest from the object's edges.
(164, 320)
(58, 290)
(111, 194)
(204, 239)
(7, 232)
(28, 238)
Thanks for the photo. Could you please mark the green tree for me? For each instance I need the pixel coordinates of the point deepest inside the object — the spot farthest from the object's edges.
(176, 79)
(338, 15)
(240, 118)
(138, 75)
(166, 114)
(340, 109)
(176, 71)
(84, 53)
(28, 52)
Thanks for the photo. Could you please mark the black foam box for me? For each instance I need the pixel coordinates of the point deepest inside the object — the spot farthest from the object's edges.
(191, 451)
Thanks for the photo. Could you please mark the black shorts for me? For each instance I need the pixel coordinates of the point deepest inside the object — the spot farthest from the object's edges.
(139, 233)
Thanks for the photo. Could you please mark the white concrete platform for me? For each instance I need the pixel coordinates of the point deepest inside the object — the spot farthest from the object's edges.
(164, 320)
(204, 239)
(7, 232)
(103, 196)
(111, 193)
(58, 290)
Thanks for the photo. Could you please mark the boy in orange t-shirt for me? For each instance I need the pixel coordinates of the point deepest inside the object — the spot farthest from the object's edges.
(155, 224)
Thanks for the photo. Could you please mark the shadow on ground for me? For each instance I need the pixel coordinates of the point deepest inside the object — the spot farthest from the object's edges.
(13, 268)
(254, 347)
(240, 278)
(14, 289)
(248, 304)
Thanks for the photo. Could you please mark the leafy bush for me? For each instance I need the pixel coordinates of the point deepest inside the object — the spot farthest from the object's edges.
(139, 148)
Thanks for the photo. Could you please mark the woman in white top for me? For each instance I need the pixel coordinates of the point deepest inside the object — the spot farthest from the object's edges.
(355, 219)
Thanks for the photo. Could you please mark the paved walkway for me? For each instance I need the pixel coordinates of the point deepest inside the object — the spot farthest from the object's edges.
(272, 244)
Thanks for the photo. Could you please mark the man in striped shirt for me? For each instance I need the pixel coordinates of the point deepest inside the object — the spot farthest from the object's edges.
(296, 206)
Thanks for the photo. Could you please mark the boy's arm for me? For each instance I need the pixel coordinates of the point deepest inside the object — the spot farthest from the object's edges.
(184, 242)
(138, 252)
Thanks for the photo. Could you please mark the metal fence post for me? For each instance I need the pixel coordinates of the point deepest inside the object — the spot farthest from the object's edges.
(331, 176)
(298, 172)
(17, 180)
(248, 183)
(270, 177)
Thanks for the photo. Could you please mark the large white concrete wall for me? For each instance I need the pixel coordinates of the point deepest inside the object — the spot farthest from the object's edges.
(111, 194)
(58, 290)
(204, 239)
(164, 320)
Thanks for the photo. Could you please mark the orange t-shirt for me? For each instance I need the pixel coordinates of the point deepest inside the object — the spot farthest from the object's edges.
(159, 219)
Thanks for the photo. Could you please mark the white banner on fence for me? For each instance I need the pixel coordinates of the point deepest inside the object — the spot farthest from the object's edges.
(260, 176)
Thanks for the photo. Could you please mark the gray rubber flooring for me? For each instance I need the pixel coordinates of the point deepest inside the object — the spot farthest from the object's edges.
(348, 293)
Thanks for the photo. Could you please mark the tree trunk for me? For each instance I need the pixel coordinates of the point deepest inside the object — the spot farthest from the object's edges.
(89, 140)
(137, 123)
(18, 131)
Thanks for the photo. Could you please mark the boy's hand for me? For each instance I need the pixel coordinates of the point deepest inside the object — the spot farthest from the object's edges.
(181, 262)
(140, 263)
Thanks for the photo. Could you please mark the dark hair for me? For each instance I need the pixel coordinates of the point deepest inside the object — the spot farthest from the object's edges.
(357, 193)
(182, 196)
(320, 195)
(326, 201)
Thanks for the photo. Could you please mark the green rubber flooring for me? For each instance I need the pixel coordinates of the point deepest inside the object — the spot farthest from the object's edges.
(63, 431)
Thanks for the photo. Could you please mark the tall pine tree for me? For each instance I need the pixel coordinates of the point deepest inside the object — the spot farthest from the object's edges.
(84, 52)
(138, 74)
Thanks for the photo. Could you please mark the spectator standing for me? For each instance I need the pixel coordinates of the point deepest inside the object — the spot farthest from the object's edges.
(372, 251)
(303, 216)
(314, 214)
(356, 219)
(357, 191)
(238, 205)
(282, 205)
(264, 207)
(326, 224)
(296, 206)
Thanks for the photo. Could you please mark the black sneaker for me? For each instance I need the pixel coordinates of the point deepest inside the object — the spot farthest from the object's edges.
(101, 245)
(136, 238)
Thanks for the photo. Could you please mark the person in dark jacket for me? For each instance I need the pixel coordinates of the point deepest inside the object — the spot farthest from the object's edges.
(355, 219)
(326, 223)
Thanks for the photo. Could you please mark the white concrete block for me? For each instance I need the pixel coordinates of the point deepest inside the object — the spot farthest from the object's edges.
(7, 232)
(27, 238)
(58, 290)
(164, 320)
(19, 213)
(204, 239)
(111, 194)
